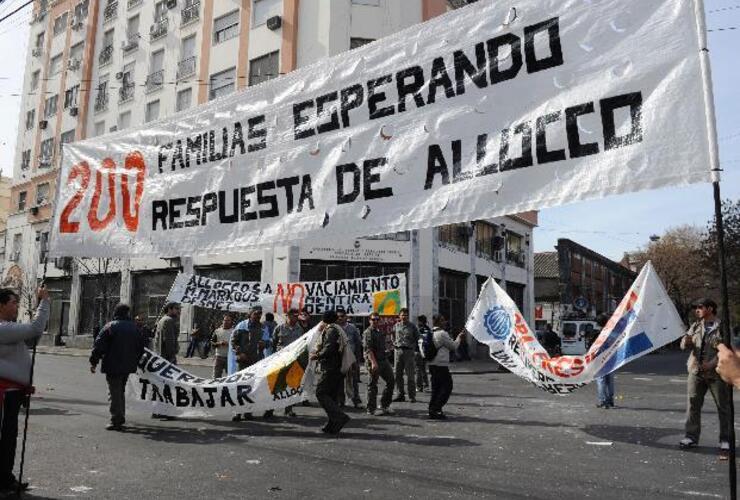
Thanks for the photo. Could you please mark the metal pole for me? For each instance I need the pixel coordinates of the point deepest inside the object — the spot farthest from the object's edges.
(725, 325)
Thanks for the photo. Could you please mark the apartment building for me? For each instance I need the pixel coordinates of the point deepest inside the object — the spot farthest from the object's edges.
(97, 66)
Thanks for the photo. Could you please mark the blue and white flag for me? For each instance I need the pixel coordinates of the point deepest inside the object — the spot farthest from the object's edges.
(645, 320)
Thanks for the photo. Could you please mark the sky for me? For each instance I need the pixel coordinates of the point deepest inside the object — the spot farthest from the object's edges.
(610, 226)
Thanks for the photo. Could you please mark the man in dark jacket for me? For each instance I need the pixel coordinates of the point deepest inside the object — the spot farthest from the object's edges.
(328, 357)
(119, 345)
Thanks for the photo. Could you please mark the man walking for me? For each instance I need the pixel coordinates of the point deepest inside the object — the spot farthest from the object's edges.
(220, 342)
(167, 335)
(373, 343)
(15, 370)
(702, 339)
(354, 340)
(405, 343)
(422, 379)
(247, 343)
(439, 367)
(120, 345)
(328, 357)
(144, 330)
(284, 335)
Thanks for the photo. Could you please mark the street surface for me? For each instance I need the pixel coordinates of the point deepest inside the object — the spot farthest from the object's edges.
(504, 439)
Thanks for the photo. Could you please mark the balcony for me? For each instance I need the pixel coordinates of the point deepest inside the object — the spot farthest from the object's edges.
(101, 101)
(132, 4)
(110, 12)
(131, 43)
(190, 13)
(159, 29)
(126, 93)
(516, 258)
(155, 81)
(106, 55)
(186, 68)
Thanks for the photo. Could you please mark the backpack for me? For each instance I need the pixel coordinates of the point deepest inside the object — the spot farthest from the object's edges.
(348, 357)
(428, 347)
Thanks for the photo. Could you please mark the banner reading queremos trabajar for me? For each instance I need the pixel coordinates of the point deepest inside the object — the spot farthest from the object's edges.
(645, 320)
(283, 379)
(385, 295)
(484, 111)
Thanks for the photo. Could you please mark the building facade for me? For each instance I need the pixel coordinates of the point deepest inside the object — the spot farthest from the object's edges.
(576, 281)
(98, 66)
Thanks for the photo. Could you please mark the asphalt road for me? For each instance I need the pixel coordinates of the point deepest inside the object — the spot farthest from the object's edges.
(505, 439)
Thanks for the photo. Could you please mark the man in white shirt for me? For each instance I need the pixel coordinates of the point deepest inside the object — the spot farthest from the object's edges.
(220, 341)
(439, 367)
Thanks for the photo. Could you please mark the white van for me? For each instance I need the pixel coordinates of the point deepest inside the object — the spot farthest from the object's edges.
(574, 333)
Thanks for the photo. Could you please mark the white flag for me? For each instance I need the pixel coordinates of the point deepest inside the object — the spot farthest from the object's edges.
(645, 320)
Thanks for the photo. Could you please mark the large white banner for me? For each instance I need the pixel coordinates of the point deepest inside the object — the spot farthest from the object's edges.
(283, 379)
(482, 112)
(645, 320)
(385, 295)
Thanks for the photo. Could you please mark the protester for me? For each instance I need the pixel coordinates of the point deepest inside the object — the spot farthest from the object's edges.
(304, 319)
(220, 342)
(146, 333)
(405, 342)
(439, 367)
(328, 357)
(604, 384)
(551, 341)
(352, 378)
(167, 336)
(15, 375)
(268, 328)
(422, 379)
(196, 338)
(702, 339)
(728, 365)
(246, 342)
(284, 335)
(378, 366)
(120, 345)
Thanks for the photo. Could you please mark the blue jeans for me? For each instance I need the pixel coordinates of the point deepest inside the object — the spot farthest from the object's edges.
(605, 389)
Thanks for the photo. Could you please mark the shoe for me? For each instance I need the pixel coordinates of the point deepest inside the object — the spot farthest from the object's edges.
(326, 427)
(724, 450)
(337, 426)
(290, 413)
(357, 405)
(399, 399)
(412, 400)
(686, 443)
(13, 485)
(438, 416)
(114, 427)
(236, 418)
(386, 411)
(247, 416)
(601, 405)
(370, 412)
(268, 415)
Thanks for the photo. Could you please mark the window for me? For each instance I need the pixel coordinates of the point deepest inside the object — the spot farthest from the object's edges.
(70, 97)
(81, 10)
(514, 249)
(226, 27)
(75, 54)
(152, 111)
(22, 196)
(160, 11)
(455, 236)
(108, 39)
(264, 68)
(60, 24)
(222, 84)
(124, 120)
(359, 42)
(374, 3)
(18, 238)
(184, 98)
(262, 10)
(42, 193)
(66, 138)
(186, 65)
(35, 79)
(155, 80)
(132, 28)
(30, 119)
(99, 128)
(26, 159)
(100, 294)
(484, 244)
(47, 152)
(50, 106)
(40, 42)
(453, 298)
(55, 65)
(150, 291)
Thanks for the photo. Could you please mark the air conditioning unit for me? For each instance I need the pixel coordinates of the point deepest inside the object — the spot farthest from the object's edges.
(44, 162)
(15, 256)
(73, 64)
(113, 128)
(171, 4)
(34, 210)
(43, 124)
(74, 111)
(274, 23)
(119, 75)
(36, 52)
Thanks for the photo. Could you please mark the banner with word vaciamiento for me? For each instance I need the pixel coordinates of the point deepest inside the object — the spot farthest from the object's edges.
(485, 111)
(645, 320)
(283, 379)
(385, 295)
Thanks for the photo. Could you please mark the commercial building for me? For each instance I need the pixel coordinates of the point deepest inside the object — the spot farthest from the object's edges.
(100, 66)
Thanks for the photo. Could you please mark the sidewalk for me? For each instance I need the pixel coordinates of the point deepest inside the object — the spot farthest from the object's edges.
(475, 367)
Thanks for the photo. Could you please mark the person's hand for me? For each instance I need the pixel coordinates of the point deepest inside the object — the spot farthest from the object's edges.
(728, 366)
(92, 368)
(42, 293)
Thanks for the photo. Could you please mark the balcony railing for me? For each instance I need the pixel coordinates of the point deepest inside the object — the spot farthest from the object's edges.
(131, 42)
(159, 29)
(101, 101)
(155, 80)
(191, 13)
(186, 68)
(110, 12)
(515, 257)
(132, 4)
(126, 92)
(106, 55)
